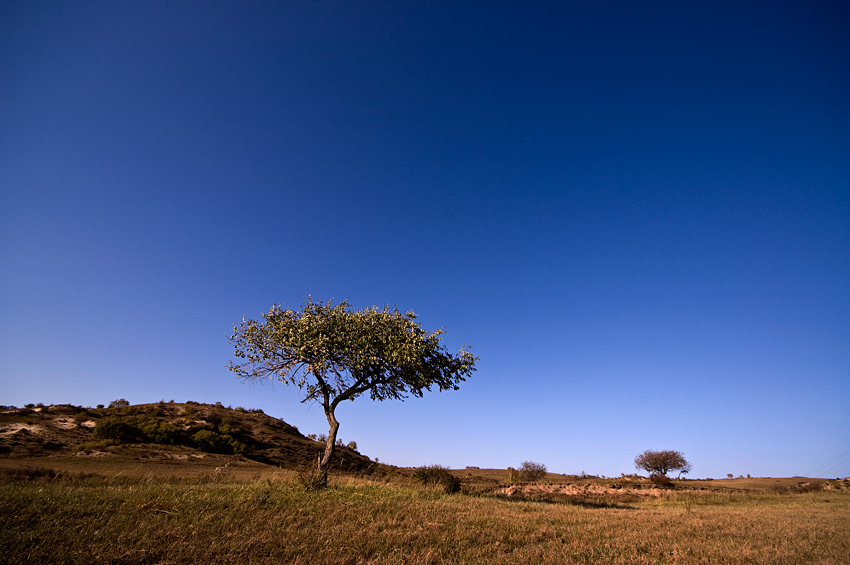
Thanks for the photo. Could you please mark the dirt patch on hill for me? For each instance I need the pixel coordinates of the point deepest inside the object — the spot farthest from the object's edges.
(9, 429)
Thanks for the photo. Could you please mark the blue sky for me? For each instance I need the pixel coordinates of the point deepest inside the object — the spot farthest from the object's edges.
(637, 214)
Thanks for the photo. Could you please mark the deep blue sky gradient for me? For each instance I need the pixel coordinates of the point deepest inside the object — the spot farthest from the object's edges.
(637, 214)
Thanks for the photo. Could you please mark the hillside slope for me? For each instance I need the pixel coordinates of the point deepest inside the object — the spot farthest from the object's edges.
(190, 429)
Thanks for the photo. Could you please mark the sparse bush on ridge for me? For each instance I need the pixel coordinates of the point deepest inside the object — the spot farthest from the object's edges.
(224, 438)
(531, 471)
(437, 475)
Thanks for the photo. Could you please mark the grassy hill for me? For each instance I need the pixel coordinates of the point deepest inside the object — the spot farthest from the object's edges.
(166, 433)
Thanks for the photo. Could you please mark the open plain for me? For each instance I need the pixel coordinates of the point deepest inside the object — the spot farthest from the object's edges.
(148, 503)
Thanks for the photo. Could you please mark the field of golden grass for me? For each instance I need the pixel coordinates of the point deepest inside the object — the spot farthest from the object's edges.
(246, 513)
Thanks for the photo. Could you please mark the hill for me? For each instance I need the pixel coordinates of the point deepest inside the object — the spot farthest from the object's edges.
(166, 433)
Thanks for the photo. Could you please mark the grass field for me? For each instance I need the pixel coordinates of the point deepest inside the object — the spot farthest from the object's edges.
(254, 514)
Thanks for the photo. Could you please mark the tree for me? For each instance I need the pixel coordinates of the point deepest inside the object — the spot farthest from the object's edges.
(659, 463)
(531, 471)
(334, 353)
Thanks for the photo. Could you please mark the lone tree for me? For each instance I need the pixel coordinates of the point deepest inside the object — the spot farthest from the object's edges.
(659, 463)
(334, 353)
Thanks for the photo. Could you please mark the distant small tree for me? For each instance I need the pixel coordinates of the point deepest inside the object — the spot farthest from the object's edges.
(118, 403)
(334, 353)
(531, 471)
(659, 463)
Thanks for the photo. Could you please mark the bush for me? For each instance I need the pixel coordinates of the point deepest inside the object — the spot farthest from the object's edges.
(116, 429)
(216, 442)
(155, 431)
(660, 480)
(208, 440)
(80, 418)
(512, 476)
(352, 445)
(531, 471)
(119, 403)
(311, 479)
(437, 475)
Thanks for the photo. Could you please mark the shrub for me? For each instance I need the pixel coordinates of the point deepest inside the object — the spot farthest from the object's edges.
(115, 428)
(352, 445)
(512, 476)
(119, 403)
(437, 475)
(531, 471)
(80, 418)
(100, 406)
(208, 440)
(156, 431)
(95, 445)
(215, 442)
(311, 479)
(660, 480)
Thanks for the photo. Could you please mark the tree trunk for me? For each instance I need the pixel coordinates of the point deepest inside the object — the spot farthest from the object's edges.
(330, 444)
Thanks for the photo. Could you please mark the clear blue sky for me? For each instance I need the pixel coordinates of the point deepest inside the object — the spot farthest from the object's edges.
(636, 213)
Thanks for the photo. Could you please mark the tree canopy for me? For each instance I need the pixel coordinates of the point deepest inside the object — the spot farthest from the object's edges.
(334, 353)
(662, 462)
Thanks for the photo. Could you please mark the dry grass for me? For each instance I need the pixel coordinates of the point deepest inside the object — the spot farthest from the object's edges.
(232, 517)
